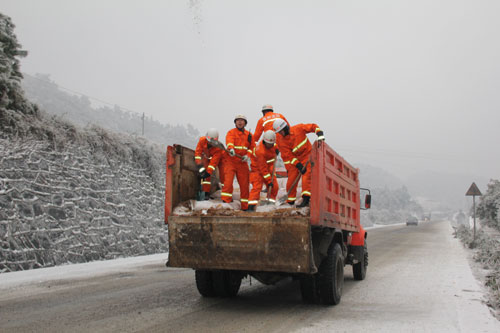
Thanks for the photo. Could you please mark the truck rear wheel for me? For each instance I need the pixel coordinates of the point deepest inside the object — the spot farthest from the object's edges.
(204, 283)
(226, 283)
(359, 269)
(331, 276)
(309, 289)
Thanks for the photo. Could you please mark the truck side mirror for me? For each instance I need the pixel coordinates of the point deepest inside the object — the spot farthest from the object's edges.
(368, 201)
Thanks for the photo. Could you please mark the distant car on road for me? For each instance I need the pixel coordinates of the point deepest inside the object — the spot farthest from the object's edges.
(411, 220)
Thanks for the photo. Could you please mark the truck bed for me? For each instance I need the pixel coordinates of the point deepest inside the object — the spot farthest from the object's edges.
(247, 243)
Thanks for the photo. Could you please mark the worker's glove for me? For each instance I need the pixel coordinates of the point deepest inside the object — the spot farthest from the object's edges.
(203, 173)
(270, 184)
(245, 158)
(250, 138)
(232, 152)
(320, 135)
(302, 168)
(277, 151)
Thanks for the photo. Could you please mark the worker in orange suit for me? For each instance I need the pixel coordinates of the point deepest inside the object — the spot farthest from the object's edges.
(295, 149)
(266, 122)
(262, 165)
(239, 144)
(207, 158)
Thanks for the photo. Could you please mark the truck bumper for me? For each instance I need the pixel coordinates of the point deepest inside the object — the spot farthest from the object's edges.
(253, 243)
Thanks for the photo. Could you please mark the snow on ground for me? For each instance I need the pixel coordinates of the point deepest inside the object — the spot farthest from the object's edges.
(76, 271)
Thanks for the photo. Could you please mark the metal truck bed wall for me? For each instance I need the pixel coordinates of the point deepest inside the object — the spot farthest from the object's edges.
(335, 190)
(241, 243)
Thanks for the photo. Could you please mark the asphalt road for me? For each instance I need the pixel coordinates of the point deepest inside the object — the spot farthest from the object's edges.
(418, 280)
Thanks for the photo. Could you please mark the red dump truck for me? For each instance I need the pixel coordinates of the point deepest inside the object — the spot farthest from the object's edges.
(313, 249)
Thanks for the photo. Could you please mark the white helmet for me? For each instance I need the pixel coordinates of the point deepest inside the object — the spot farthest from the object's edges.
(269, 137)
(213, 133)
(240, 116)
(267, 107)
(279, 124)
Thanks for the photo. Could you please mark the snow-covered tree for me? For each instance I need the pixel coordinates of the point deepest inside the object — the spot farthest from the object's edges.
(11, 95)
(489, 205)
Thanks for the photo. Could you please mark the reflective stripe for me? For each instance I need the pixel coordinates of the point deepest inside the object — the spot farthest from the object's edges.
(244, 200)
(299, 145)
(317, 130)
(202, 169)
(197, 157)
(267, 176)
(249, 151)
(269, 120)
(271, 161)
(211, 167)
(224, 194)
(205, 183)
(321, 137)
(272, 200)
(230, 144)
(240, 147)
(291, 199)
(306, 192)
(287, 162)
(253, 202)
(294, 160)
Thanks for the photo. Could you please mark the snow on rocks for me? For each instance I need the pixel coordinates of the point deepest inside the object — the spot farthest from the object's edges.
(74, 205)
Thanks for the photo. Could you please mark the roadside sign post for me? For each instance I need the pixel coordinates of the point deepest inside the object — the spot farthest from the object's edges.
(473, 191)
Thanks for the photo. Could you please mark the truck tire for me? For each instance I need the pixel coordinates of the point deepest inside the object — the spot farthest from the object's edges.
(359, 269)
(226, 283)
(204, 283)
(331, 276)
(309, 289)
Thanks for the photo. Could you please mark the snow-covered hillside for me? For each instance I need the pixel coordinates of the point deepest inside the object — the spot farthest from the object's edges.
(69, 194)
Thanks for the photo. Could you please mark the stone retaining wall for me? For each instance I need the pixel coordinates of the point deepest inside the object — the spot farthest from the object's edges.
(74, 205)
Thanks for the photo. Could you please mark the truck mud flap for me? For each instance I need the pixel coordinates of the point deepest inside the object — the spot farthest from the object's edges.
(251, 243)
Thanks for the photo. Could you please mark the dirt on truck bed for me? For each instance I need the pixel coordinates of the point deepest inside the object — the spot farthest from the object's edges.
(215, 207)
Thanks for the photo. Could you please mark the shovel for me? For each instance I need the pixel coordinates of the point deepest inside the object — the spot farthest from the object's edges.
(220, 145)
(200, 195)
(283, 198)
(267, 202)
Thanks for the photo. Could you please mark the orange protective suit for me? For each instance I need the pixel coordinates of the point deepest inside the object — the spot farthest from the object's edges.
(266, 123)
(263, 160)
(211, 158)
(239, 141)
(296, 148)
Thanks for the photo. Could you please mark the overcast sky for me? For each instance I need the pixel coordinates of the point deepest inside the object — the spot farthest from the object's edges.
(404, 85)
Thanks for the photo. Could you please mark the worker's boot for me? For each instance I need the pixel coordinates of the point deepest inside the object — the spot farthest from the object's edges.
(305, 201)
(207, 195)
(251, 208)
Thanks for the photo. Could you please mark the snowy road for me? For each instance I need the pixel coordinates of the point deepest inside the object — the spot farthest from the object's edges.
(418, 280)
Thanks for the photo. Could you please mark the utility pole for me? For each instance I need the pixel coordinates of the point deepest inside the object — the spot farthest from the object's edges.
(143, 124)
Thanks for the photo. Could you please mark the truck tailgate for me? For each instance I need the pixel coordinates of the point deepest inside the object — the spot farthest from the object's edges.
(253, 243)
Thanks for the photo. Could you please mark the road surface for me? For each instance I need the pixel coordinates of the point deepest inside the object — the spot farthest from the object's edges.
(418, 280)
